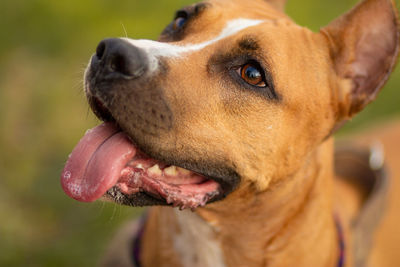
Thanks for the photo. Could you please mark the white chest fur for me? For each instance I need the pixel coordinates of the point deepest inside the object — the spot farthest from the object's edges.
(196, 243)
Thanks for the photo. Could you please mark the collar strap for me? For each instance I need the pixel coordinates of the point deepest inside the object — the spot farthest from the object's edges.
(342, 246)
(136, 248)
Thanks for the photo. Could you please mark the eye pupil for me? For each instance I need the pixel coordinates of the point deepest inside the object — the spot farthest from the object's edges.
(252, 75)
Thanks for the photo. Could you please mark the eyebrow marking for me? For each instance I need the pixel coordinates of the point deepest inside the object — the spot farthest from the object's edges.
(155, 50)
(249, 43)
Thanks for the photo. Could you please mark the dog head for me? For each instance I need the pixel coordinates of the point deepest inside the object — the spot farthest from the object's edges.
(234, 93)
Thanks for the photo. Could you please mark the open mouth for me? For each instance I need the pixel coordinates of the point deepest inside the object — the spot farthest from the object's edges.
(105, 158)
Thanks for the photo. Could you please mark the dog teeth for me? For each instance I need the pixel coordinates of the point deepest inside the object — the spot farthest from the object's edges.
(171, 171)
(183, 171)
(139, 166)
(155, 170)
(175, 171)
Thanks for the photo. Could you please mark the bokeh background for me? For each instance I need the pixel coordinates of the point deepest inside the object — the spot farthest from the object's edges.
(44, 47)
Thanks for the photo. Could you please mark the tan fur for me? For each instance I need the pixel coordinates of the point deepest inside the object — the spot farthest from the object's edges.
(282, 212)
(271, 225)
(225, 106)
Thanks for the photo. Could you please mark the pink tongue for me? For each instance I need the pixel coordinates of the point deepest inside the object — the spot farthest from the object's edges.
(95, 164)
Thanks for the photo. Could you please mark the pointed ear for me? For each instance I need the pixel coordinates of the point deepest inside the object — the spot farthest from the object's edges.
(364, 45)
(278, 4)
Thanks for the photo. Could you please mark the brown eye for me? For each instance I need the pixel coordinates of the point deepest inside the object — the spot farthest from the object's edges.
(252, 74)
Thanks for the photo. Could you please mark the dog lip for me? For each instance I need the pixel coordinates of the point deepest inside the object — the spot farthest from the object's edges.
(227, 181)
(176, 186)
(99, 108)
(227, 178)
(184, 196)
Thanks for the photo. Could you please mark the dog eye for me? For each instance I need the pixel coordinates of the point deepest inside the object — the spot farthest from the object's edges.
(180, 20)
(252, 74)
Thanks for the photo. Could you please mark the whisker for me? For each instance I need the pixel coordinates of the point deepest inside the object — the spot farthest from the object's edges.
(123, 27)
(113, 214)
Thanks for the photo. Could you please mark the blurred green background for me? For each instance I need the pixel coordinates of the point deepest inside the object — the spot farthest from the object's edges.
(44, 48)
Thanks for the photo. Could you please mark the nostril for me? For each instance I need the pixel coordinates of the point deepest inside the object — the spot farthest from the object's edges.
(119, 64)
(101, 48)
(118, 58)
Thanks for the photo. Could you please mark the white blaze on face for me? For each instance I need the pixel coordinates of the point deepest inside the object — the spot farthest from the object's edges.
(155, 50)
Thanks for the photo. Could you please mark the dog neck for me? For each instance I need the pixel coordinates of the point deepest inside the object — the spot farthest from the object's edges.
(290, 224)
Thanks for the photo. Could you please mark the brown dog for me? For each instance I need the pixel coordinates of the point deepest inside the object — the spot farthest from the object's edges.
(245, 102)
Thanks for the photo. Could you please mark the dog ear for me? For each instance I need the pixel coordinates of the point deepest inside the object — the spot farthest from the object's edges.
(364, 45)
(278, 4)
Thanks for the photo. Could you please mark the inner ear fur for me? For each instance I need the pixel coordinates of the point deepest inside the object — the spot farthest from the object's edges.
(364, 45)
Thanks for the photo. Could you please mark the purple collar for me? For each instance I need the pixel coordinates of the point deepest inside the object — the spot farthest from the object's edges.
(136, 249)
(340, 235)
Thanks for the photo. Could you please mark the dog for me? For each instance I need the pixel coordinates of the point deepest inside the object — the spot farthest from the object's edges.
(229, 118)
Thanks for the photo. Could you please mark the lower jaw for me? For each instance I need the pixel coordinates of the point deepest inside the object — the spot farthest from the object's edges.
(144, 199)
(140, 199)
(134, 183)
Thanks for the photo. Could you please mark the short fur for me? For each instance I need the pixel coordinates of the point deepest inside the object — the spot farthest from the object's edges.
(272, 147)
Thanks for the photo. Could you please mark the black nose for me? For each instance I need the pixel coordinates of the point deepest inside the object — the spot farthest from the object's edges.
(119, 58)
